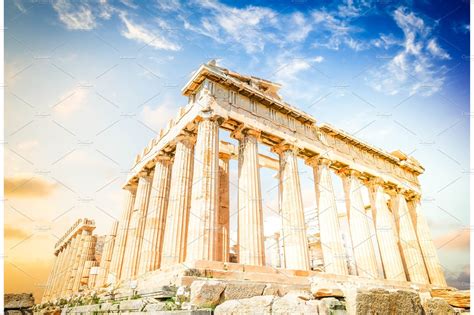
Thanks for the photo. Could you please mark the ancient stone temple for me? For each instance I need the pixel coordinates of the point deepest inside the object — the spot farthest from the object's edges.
(174, 227)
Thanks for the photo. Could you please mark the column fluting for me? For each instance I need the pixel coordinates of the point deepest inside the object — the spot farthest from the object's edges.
(251, 239)
(116, 264)
(331, 241)
(292, 211)
(156, 217)
(177, 217)
(408, 242)
(203, 221)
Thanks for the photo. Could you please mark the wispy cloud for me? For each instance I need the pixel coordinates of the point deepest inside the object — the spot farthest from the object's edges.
(75, 16)
(436, 50)
(244, 26)
(146, 35)
(28, 186)
(412, 69)
(335, 27)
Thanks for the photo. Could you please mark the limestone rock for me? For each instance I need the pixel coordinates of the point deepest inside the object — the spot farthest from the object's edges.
(437, 306)
(273, 289)
(155, 307)
(293, 304)
(456, 298)
(132, 305)
(242, 290)
(206, 293)
(331, 306)
(380, 301)
(19, 301)
(323, 288)
(255, 305)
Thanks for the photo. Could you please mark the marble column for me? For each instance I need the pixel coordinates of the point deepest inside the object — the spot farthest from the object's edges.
(364, 252)
(76, 247)
(203, 221)
(408, 242)
(85, 250)
(156, 217)
(272, 247)
(63, 272)
(386, 236)
(54, 289)
(292, 211)
(106, 255)
(331, 241)
(223, 233)
(117, 261)
(137, 226)
(50, 283)
(428, 249)
(251, 239)
(177, 217)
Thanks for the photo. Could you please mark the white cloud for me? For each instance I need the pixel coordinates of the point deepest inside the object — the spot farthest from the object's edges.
(437, 51)
(75, 17)
(147, 36)
(288, 67)
(300, 27)
(28, 145)
(244, 26)
(411, 70)
(335, 27)
(386, 41)
(71, 102)
(158, 117)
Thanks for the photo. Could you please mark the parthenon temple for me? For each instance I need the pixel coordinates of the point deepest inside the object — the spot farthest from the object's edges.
(176, 208)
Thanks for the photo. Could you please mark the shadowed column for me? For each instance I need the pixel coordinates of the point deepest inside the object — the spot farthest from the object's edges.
(203, 226)
(116, 264)
(331, 240)
(156, 216)
(106, 256)
(409, 246)
(386, 236)
(364, 253)
(137, 226)
(223, 238)
(76, 258)
(428, 249)
(176, 227)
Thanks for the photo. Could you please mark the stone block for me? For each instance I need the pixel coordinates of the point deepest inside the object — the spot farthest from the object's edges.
(331, 306)
(132, 305)
(242, 290)
(206, 293)
(255, 305)
(293, 304)
(380, 301)
(437, 306)
(155, 307)
(18, 301)
(273, 289)
(110, 307)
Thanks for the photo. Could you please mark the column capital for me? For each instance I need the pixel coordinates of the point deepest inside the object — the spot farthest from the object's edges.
(283, 147)
(225, 156)
(411, 195)
(131, 187)
(145, 173)
(318, 160)
(186, 138)
(240, 132)
(349, 172)
(163, 156)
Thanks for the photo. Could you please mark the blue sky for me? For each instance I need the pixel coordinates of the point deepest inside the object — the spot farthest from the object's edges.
(89, 83)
